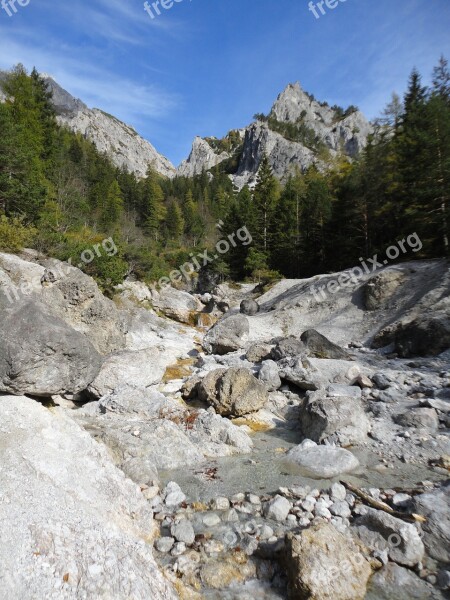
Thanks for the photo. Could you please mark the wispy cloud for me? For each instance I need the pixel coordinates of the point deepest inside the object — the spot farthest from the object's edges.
(130, 101)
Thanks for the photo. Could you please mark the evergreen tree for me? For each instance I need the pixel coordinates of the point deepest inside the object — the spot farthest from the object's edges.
(174, 221)
(153, 211)
(265, 198)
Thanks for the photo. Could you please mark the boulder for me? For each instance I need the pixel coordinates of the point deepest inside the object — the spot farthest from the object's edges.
(324, 564)
(323, 462)
(419, 418)
(258, 352)
(397, 582)
(77, 299)
(383, 532)
(321, 347)
(337, 419)
(249, 307)
(288, 347)
(434, 506)
(380, 288)
(176, 304)
(141, 368)
(268, 374)
(427, 335)
(40, 354)
(72, 525)
(233, 392)
(228, 335)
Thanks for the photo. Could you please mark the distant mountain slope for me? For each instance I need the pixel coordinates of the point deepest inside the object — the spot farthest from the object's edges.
(298, 132)
(120, 141)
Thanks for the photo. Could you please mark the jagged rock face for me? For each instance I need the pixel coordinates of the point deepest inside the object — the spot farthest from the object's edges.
(294, 104)
(284, 155)
(202, 157)
(120, 141)
(333, 130)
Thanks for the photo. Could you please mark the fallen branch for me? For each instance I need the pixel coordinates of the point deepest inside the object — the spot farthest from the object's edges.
(382, 505)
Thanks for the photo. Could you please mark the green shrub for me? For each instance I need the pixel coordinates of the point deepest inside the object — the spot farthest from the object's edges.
(14, 234)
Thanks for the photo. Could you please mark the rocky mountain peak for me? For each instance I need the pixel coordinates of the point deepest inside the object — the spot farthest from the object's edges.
(120, 141)
(291, 103)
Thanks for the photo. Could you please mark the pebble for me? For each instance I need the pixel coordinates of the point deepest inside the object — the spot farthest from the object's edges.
(164, 544)
(266, 532)
(231, 516)
(278, 508)
(178, 549)
(340, 509)
(308, 503)
(338, 492)
(211, 520)
(183, 532)
(220, 503)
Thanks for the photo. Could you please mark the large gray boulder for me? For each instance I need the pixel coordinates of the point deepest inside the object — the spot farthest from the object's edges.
(288, 347)
(324, 564)
(323, 462)
(141, 368)
(434, 506)
(269, 375)
(72, 525)
(379, 289)
(228, 335)
(321, 347)
(176, 304)
(249, 307)
(424, 335)
(233, 392)
(393, 581)
(77, 299)
(334, 418)
(39, 353)
(380, 531)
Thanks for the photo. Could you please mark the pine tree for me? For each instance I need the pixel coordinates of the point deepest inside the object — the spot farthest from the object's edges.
(152, 201)
(174, 221)
(265, 198)
(113, 206)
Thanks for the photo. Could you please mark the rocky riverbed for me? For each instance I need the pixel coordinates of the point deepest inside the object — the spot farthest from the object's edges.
(244, 443)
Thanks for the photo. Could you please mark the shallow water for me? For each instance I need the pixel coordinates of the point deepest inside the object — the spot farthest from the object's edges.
(265, 470)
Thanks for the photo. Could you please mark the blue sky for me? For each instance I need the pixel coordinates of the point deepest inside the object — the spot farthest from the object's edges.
(206, 66)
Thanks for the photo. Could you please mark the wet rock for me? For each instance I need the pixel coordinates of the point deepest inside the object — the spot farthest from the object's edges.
(323, 461)
(269, 375)
(228, 335)
(249, 307)
(341, 419)
(324, 564)
(233, 392)
(381, 531)
(321, 347)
